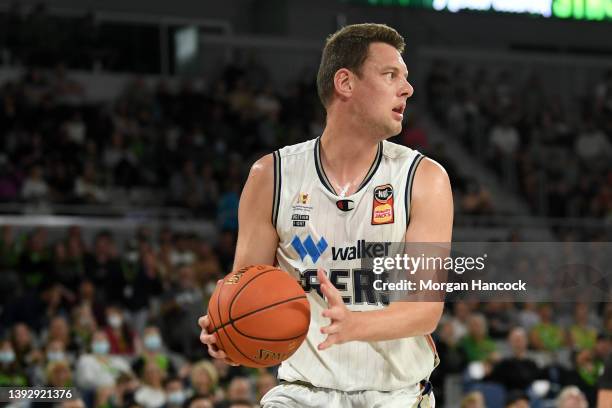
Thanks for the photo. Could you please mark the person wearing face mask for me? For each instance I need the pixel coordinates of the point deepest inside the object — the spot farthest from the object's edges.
(97, 369)
(11, 373)
(120, 336)
(175, 392)
(153, 350)
(55, 352)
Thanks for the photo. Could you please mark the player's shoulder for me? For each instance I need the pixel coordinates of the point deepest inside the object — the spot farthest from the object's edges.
(298, 148)
(430, 179)
(262, 171)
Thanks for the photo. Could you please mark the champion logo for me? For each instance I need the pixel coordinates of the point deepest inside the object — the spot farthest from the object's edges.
(308, 247)
(345, 205)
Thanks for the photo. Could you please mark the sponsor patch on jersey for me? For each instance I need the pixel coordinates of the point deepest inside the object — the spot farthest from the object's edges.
(299, 220)
(345, 205)
(382, 205)
(309, 247)
(301, 203)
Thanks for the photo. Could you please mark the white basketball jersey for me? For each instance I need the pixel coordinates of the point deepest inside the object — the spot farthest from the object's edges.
(319, 229)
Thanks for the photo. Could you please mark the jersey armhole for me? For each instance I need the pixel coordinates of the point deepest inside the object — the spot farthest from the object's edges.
(277, 186)
(409, 182)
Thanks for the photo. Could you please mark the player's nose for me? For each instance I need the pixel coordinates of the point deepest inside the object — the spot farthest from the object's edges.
(406, 90)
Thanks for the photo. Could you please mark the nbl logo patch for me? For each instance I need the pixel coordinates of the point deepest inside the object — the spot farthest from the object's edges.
(382, 205)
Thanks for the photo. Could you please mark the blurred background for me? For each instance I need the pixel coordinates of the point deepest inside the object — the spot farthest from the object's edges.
(128, 128)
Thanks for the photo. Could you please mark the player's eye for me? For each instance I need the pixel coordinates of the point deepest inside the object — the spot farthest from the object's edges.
(390, 74)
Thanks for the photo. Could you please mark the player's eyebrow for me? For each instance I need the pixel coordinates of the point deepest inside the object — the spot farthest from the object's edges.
(395, 69)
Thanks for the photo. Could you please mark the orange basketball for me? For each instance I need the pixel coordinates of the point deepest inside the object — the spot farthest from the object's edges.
(260, 315)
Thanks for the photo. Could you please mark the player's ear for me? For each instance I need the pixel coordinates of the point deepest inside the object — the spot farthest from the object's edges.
(343, 83)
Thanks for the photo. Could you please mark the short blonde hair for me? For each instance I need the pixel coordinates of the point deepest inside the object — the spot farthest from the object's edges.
(210, 369)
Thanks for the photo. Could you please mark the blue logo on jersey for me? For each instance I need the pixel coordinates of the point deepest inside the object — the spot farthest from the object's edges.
(308, 247)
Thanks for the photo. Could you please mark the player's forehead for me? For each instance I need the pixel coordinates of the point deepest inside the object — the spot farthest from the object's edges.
(383, 55)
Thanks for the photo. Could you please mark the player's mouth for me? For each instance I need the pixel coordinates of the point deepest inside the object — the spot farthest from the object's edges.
(398, 112)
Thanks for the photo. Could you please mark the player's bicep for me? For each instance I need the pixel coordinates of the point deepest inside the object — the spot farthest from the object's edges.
(257, 237)
(431, 207)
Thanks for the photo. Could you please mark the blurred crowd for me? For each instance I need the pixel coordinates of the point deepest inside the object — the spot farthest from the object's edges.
(186, 145)
(118, 324)
(118, 321)
(532, 351)
(552, 148)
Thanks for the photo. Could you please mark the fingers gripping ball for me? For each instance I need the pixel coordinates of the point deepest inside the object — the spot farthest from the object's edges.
(260, 315)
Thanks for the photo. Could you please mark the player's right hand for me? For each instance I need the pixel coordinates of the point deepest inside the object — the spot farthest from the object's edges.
(210, 340)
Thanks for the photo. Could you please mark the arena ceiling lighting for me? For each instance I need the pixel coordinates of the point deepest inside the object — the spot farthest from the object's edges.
(594, 10)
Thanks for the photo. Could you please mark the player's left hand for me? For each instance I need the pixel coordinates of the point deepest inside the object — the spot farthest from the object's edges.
(343, 324)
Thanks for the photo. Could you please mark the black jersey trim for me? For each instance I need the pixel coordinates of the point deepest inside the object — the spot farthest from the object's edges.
(277, 186)
(323, 177)
(408, 192)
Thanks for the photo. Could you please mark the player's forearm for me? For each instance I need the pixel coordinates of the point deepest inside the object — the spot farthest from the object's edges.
(400, 319)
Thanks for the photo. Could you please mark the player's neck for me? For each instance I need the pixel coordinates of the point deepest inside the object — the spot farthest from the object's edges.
(346, 156)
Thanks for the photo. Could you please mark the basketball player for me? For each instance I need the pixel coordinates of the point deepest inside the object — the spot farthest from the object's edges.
(311, 207)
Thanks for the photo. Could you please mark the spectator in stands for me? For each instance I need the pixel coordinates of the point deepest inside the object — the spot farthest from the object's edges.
(181, 254)
(35, 261)
(501, 317)
(198, 401)
(144, 285)
(473, 400)
(452, 357)
(151, 393)
(204, 379)
(518, 371)
(83, 326)
(55, 351)
(11, 372)
(592, 146)
(9, 248)
(571, 397)
(87, 188)
(240, 389)
(517, 399)
(59, 330)
(68, 264)
(24, 346)
(207, 267)
(35, 188)
(98, 369)
(546, 335)
(459, 319)
(175, 392)
(59, 374)
(153, 351)
(477, 345)
(528, 316)
(119, 333)
(104, 269)
(179, 307)
(585, 372)
(122, 394)
(582, 334)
